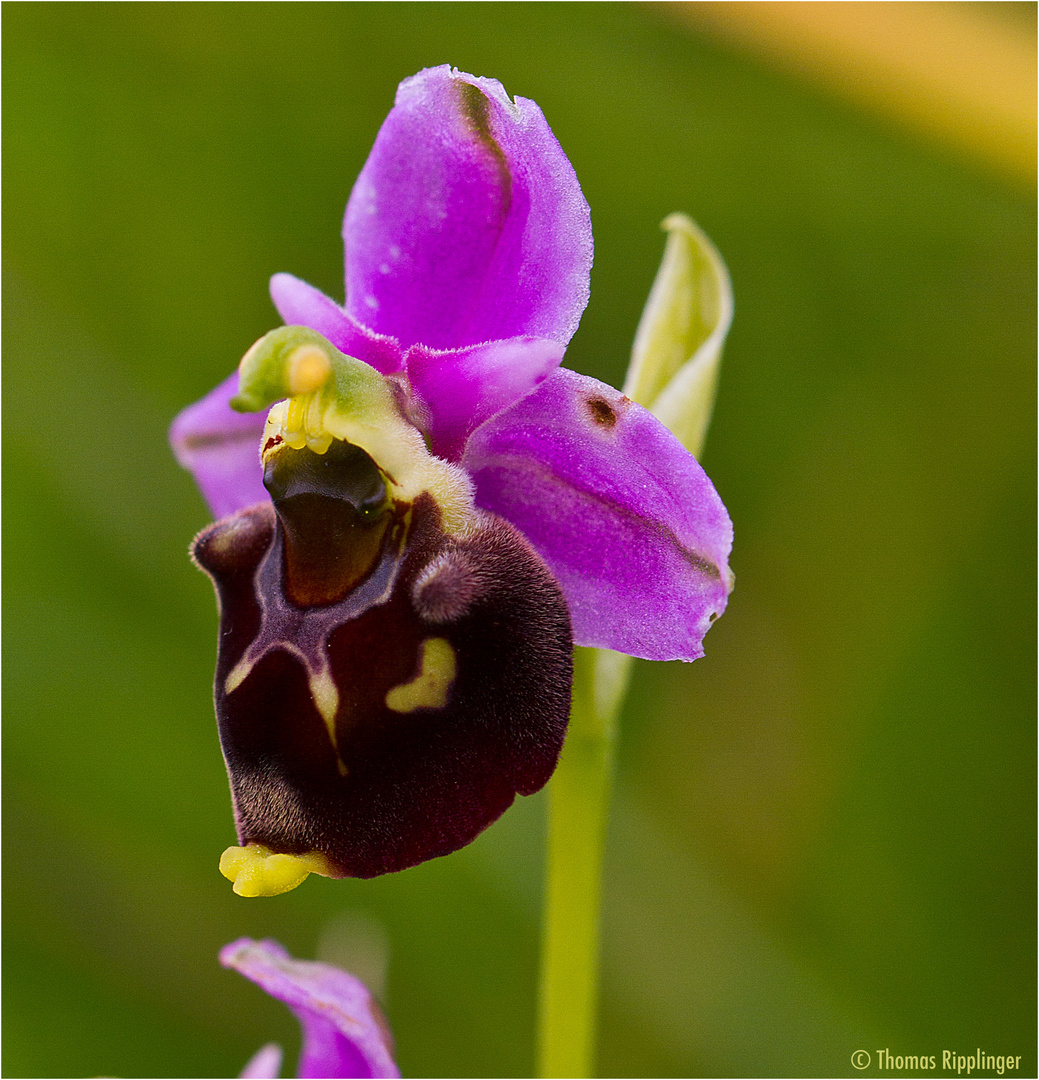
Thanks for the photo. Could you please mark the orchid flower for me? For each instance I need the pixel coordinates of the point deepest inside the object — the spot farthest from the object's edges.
(344, 1031)
(433, 511)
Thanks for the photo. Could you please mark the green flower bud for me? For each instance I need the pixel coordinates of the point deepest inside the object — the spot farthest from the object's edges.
(678, 343)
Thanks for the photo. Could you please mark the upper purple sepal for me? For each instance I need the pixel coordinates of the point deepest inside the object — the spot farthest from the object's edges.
(344, 1032)
(626, 519)
(467, 223)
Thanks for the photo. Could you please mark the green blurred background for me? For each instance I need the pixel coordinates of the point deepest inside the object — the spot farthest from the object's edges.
(823, 838)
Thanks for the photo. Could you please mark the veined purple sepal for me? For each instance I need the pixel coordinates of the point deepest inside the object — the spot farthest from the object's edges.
(384, 687)
(621, 512)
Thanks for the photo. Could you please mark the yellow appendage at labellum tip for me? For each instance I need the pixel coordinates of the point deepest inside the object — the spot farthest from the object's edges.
(255, 870)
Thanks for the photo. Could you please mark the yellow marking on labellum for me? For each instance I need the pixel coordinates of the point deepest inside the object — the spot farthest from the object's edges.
(237, 674)
(255, 870)
(429, 689)
(309, 369)
(326, 699)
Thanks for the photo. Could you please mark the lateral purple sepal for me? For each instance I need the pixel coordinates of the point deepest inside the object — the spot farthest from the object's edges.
(344, 1034)
(221, 449)
(467, 223)
(462, 388)
(300, 304)
(626, 519)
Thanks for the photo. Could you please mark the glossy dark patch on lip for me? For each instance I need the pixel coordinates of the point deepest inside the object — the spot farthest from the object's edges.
(335, 515)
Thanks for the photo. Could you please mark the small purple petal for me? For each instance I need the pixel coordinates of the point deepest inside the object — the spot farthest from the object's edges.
(624, 516)
(464, 387)
(467, 223)
(300, 304)
(221, 449)
(344, 1034)
(265, 1064)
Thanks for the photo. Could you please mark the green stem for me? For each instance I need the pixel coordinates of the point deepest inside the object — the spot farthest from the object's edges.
(579, 798)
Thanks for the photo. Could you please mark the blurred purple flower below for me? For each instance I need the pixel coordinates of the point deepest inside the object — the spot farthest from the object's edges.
(380, 730)
(344, 1032)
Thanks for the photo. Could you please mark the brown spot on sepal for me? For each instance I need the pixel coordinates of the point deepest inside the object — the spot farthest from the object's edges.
(604, 414)
(417, 784)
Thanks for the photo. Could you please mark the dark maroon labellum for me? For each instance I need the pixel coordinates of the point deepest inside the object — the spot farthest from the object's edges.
(383, 689)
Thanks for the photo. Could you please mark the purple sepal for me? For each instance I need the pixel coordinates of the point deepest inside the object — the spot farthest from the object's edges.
(344, 1034)
(623, 515)
(221, 449)
(300, 304)
(462, 388)
(467, 223)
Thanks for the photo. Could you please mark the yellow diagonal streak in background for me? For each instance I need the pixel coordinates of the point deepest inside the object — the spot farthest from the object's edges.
(949, 70)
